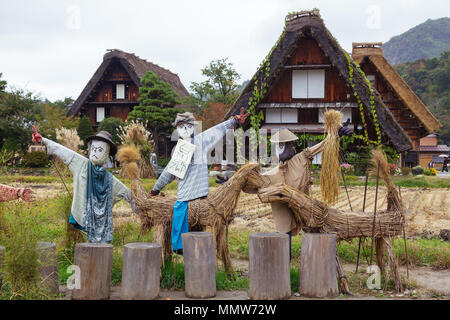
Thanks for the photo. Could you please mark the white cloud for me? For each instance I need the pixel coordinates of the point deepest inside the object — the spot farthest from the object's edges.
(40, 51)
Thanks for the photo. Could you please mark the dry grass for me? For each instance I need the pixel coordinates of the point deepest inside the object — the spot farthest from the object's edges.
(329, 180)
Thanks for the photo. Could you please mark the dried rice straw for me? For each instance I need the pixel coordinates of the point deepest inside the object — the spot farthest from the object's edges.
(329, 179)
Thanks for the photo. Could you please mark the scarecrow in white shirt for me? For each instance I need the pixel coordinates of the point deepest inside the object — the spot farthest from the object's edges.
(95, 189)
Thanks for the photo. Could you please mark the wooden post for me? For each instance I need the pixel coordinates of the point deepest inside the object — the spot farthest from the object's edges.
(49, 266)
(95, 262)
(269, 274)
(199, 264)
(318, 265)
(2, 258)
(141, 271)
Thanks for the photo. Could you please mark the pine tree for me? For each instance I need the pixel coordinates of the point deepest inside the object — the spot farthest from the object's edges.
(85, 129)
(156, 106)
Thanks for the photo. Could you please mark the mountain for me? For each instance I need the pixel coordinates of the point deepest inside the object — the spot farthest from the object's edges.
(430, 80)
(425, 40)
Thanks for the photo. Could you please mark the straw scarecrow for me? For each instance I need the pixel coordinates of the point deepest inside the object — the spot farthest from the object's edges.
(96, 190)
(293, 170)
(191, 168)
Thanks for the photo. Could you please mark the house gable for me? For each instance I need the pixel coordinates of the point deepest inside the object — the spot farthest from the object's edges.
(306, 25)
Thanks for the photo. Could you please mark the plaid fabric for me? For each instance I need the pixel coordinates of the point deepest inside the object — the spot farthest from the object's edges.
(195, 183)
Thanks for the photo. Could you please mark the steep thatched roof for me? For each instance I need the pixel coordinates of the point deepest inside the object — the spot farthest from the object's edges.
(297, 26)
(374, 53)
(136, 68)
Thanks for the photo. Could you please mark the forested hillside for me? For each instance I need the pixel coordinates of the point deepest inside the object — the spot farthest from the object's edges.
(430, 80)
(425, 40)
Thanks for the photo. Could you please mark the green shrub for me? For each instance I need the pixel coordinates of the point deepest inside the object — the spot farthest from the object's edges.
(85, 130)
(112, 126)
(36, 159)
(427, 172)
(417, 170)
(406, 171)
(163, 161)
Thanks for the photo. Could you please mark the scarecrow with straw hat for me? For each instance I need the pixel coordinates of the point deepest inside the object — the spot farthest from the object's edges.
(294, 170)
(193, 182)
(95, 189)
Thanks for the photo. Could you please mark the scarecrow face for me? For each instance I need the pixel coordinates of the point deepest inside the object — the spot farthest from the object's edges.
(98, 152)
(279, 148)
(185, 130)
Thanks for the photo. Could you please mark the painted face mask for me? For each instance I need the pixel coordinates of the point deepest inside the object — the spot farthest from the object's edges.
(185, 131)
(99, 152)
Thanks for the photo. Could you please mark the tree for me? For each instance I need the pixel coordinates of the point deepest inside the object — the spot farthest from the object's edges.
(221, 86)
(213, 114)
(85, 129)
(54, 117)
(112, 126)
(2, 83)
(156, 106)
(18, 111)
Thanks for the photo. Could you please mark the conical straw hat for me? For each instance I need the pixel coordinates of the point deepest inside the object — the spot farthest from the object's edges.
(284, 135)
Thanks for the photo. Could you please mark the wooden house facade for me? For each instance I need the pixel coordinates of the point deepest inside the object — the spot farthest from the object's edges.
(308, 72)
(113, 90)
(408, 110)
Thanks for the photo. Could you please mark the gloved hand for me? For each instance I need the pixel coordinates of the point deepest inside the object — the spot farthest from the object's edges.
(36, 137)
(154, 193)
(345, 130)
(242, 117)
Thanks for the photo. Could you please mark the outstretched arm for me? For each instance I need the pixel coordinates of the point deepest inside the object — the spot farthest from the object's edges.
(164, 179)
(121, 191)
(8, 193)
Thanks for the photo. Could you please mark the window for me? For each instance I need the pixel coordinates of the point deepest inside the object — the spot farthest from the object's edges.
(100, 114)
(346, 114)
(281, 115)
(371, 78)
(308, 84)
(120, 91)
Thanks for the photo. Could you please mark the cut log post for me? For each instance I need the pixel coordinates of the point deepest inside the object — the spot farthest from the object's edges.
(141, 271)
(318, 265)
(269, 273)
(199, 264)
(2, 259)
(95, 262)
(49, 266)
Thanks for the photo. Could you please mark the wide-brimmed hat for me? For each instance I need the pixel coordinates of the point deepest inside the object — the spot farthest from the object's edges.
(104, 136)
(183, 118)
(284, 135)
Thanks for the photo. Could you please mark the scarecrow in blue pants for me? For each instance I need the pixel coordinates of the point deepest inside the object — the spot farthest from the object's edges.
(195, 183)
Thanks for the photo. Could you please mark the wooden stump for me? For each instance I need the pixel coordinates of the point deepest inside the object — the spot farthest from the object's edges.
(49, 266)
(2, 267)
(141, 271)
(318, 265)
(269, 274)
(199, 264)
(95, 262)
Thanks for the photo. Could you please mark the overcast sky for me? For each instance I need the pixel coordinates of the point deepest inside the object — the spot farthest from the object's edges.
(53, 47)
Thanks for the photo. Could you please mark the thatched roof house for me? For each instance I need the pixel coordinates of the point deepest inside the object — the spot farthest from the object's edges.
(307, 54)
(113, 89)
(408, 109)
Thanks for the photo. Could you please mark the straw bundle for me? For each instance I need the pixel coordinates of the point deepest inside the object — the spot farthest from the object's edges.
(329, 179)
(135, 133)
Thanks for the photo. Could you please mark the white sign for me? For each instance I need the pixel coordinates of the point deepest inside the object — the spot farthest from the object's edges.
(181, 158)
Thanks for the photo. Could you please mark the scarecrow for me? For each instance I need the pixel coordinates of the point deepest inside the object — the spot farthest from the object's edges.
(294, 170)
(8, 193)
(193, 182)
(95, 189)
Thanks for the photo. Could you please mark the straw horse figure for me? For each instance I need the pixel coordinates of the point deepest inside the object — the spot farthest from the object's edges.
(213, 213)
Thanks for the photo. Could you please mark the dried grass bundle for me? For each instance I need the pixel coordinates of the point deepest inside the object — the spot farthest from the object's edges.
(128, 156)
(69, 138)
(135, 133)
(329, 179)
